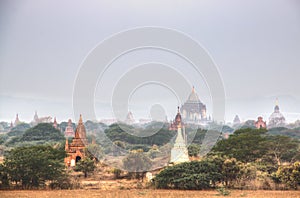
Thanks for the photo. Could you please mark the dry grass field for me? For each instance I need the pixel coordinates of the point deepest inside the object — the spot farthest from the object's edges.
(147, 193)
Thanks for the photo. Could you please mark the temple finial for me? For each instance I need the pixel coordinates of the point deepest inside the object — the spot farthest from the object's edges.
(80, 119)
(193, 89)
(276, 102)
(178, 109)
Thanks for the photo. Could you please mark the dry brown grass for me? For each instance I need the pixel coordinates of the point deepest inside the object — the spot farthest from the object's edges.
(147, 193)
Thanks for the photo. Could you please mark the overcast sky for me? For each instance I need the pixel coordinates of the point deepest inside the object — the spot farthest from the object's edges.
(255, 44)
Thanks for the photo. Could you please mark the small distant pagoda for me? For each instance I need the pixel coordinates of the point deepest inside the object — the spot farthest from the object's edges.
(75, 150)
(179, 152)
(55, 125)
(276, 119)
(36, 119)
(236, 120)
(260, 123)
(129, 118)
(69, 131)
(17, 120)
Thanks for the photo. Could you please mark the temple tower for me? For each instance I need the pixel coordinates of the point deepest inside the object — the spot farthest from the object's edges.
(17, 120)
(276, 119)
(179, 152)
(69, 131)
(55, 123)
(75, 150)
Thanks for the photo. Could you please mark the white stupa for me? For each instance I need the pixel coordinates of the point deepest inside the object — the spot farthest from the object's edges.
(276, 119)
(179, 152)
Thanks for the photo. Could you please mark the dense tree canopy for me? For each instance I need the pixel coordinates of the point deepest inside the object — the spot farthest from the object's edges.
(33, 166)
(117, 133)
(195, 175)
(44, 132)
(19, 129)
(245, 145)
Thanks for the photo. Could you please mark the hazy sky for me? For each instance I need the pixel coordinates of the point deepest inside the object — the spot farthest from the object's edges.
(255, 44)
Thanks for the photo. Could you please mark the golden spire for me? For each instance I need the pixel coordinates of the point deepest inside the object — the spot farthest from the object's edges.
(276, 102)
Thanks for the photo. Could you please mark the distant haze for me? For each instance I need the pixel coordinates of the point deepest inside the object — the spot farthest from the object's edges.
(255, 44)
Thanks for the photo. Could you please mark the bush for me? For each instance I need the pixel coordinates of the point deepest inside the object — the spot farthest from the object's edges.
(194, 175)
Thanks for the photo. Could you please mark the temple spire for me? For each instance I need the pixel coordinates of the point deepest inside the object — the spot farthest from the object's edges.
(80, 119)
(55, 123)
(193, 89)
(67, 144)
(276, 102)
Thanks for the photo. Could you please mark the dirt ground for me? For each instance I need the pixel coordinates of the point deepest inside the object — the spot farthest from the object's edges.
(147, 193)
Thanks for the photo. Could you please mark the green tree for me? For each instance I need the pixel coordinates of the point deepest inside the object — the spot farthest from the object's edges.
(194, 150)
(282, 149)
(3, 177)
(86, 166)
(95, 150)
(195, 175)
(137, 163)
(289, 175)
(18, 130)
(246, 145)
(126, 133)
(33, 166)
(42, 132)
(230, 171)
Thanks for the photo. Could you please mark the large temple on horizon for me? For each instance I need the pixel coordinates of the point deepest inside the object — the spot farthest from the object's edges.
(193, 110)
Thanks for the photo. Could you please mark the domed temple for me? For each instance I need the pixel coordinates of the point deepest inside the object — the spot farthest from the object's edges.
(276, 119)
(193, 110)
(75, 150)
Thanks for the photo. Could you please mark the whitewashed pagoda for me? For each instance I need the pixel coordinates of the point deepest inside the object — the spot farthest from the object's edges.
(276, 119)
(179, 152)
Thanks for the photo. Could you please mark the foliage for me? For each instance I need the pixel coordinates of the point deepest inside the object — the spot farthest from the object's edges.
(193, 175)
(194, 150)
(289, 175)
(19, 129)
(3, 138)
(137, 163)
(282, 149)
(122, 132)
(230, 171)
(154, 152)
(292, 133)
(33, 166)
(199, 136)
(43, 131)
(245, 145)
(95, 150)
(3, 177)
(85, 165)
(223, 191)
